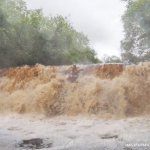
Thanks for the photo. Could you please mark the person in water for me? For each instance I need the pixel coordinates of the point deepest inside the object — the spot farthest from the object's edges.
(73, 73)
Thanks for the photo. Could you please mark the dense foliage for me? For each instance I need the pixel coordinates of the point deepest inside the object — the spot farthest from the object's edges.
(136, 44)
(29, 37)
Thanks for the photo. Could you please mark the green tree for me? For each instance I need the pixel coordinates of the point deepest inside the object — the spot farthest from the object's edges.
(29, 37)
(136, 45)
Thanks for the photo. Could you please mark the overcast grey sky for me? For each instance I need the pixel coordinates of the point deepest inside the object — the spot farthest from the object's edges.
(100, 20)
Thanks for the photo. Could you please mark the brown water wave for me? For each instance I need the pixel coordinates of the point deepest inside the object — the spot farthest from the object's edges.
(104, 90)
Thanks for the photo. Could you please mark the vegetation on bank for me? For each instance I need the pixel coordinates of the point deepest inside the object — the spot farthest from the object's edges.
(136, 43)
(29, 37)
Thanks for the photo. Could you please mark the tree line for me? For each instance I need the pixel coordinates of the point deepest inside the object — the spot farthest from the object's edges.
(135, 47)
(29, 37)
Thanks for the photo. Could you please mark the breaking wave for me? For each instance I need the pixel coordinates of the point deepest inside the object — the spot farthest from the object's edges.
(103, 90)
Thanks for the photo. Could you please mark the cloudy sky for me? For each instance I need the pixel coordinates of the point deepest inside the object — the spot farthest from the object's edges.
(100, 20)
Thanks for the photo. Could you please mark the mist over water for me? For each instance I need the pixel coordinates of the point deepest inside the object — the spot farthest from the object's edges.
(107, 91)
